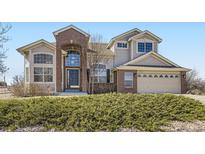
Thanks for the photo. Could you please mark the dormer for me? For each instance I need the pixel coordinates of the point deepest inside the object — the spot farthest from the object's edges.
(143, 43)
(132, 44)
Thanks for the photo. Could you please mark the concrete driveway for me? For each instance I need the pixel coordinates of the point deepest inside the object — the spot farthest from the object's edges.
(201, 98)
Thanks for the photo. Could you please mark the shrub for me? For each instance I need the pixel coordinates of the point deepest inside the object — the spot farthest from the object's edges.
(105, 112)
(20, 89)
(18, 86)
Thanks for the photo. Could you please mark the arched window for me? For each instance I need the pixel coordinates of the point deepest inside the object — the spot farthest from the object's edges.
(72, 59)
(43, 59)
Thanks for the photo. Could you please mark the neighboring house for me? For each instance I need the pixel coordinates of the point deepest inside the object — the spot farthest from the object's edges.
(135, 64)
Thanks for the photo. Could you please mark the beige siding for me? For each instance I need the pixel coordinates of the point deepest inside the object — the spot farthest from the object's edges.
(151, 61)
(124, 55)
(121, 55)
(46, 50)
(135, 46)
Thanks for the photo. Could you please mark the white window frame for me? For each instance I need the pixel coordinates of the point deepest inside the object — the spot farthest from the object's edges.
(43, 74)
(121, 42)
(144, 41)
(45, 53)
(130, 78)
(100, 73)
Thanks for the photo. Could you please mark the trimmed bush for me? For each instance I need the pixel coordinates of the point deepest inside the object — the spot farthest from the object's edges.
(105, 112)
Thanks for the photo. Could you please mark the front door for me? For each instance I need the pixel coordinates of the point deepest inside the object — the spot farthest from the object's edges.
(73, 78)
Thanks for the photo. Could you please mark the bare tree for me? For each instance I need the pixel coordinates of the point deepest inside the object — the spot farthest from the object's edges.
(96, 56)
(3, 39)
(195, 84)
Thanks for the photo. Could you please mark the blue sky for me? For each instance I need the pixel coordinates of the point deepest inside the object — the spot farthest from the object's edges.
(183, 43)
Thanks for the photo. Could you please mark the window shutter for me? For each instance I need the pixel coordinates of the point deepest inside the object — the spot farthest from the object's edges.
(108, 75)
(88, 74)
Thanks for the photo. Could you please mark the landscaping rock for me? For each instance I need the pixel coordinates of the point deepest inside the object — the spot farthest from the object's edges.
(31, 129)
(178, 126)
(128, 130)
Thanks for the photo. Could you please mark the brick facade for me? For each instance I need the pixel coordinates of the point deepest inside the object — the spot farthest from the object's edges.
(104, 88)
(64, 41)
(183, 83)
(119, 80)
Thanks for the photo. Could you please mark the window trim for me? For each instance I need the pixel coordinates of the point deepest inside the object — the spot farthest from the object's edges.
(43, 74)
(129, 80)
(66, 63)
(99, 74)
(43, 53)
(122, 47)
(145, 48)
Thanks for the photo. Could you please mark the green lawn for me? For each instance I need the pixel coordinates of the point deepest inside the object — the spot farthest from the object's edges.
(106, 112)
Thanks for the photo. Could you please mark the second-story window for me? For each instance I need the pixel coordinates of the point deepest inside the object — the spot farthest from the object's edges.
(144, 47)
(43, 59)
(148, 47)
(122, 45)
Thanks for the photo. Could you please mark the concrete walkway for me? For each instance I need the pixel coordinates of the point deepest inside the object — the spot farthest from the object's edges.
(201, 98)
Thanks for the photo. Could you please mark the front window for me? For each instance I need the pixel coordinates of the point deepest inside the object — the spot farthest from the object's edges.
(99, 73)
(128, 79)
(122, 45)
(43, 74)
(73, 59)
(144, 47)
(43, 59)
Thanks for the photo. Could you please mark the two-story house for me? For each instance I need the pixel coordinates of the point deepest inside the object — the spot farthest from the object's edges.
(135, 64)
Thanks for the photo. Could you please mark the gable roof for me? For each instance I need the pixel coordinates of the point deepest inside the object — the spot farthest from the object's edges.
(160, 57)
(23, 48)
(104, 48)
(71, 27)
(143, 68)
(148, 33)
(121, 35)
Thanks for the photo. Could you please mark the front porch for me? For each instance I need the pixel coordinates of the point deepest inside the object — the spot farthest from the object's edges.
(71, 92)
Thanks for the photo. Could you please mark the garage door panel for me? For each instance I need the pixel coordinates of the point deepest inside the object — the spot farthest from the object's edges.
(159, 84)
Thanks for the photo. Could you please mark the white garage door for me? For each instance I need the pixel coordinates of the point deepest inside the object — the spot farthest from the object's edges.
(158, 83)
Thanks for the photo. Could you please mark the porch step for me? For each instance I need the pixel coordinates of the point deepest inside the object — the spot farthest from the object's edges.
(72, 93)
(72, 90)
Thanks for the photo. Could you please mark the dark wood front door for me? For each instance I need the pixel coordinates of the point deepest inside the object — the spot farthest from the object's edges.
(73, 78)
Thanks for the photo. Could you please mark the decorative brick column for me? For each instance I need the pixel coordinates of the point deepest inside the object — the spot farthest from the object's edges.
(58, 68)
